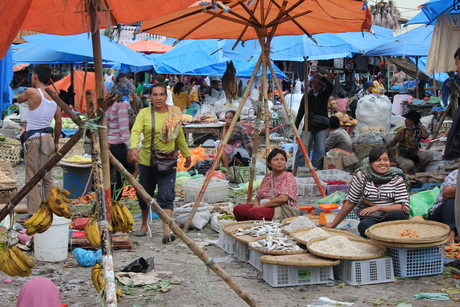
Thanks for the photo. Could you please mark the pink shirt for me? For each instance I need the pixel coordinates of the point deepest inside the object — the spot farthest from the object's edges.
(118, 123)
(342, 104)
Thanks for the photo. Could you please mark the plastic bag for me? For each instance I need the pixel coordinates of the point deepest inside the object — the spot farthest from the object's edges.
(201, 167)
(87, 258)
(421, 203)
(245, 186)
(217, 225)
(199, 220)
(335, 198)
(180, 180)
(140, 265)
(80, 223)
(217, 174)
(197, 154)
(374, 111)
(193, 109)
(183, 174)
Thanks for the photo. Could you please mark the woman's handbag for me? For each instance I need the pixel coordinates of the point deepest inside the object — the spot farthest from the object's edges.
(319, 121)
(162, 162)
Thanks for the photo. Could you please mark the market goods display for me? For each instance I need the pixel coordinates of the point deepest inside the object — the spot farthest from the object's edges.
(122, 219)
(260, 228)
(6, 181)
(299, 222)
(58, 202)
(40, 221)
(408, 231)
(276, 244)
(303, 235)
(77, 159)
(13, 261)
(300, 260)
(340, 247)
(97, 275)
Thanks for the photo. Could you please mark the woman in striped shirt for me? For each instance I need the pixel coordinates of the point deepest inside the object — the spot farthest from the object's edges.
(380, 193)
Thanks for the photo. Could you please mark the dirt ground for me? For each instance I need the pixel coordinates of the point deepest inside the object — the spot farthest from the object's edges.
(201, 287)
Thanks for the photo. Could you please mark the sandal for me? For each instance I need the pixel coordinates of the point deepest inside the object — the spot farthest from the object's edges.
(169, 238)
(139, 233)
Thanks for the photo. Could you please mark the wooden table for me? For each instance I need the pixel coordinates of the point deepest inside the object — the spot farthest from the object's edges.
(425, 109)
(189, 129)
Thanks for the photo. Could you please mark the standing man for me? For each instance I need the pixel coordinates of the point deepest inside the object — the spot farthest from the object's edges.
(38, 142)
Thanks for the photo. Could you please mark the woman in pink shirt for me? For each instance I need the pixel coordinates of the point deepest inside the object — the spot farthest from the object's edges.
(341, 103)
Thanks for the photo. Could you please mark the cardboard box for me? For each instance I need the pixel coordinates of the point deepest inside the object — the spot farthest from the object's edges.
(339, 159)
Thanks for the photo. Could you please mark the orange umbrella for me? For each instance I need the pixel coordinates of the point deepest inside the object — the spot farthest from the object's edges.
(149, 46)
(65, 17)
(250, 19)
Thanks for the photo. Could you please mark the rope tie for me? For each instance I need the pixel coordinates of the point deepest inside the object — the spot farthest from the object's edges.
(205, 281)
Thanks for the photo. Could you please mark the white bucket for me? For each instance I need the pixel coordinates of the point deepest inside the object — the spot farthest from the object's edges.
(52, 245)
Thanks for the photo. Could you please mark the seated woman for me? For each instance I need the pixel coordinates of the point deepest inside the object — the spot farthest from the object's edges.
(338, 138)
(278, 188)
(408, 139)
(239, 141)
(381, 193)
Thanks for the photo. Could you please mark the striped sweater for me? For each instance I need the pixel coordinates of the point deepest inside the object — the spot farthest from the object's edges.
(118, 123)
(390, 193)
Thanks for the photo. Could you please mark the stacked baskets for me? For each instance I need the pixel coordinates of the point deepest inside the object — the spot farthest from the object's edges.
(418, 255)
(10, 149)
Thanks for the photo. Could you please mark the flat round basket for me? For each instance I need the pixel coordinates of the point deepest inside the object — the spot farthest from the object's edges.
(272, 252)
(300, 260)
(313, 218)
(230, 228)
(416, 245)
(370, 249)
(388, 231)
(298, 234)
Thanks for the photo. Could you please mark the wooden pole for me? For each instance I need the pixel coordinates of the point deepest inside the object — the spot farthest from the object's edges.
(252, 170)
(296, 133)
(100, 157)
(267, 113)
(305, 117)
(243, 294)
(222, 145)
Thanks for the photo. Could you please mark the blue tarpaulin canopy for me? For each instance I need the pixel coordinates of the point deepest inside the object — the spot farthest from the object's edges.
(432, 9)
(6, 71)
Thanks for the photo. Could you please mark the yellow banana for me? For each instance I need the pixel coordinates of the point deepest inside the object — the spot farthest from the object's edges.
(4, 257)
(128, 215)
(119, 294)
(23, 269)
(95, 277)
(55, 207)
(42, 221)
(92, 232)
(63, 191)
(23, 256)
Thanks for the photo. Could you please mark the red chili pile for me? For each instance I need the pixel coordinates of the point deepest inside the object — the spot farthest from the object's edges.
(335, 182)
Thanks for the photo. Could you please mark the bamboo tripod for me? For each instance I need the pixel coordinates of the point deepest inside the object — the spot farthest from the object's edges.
(264, 61)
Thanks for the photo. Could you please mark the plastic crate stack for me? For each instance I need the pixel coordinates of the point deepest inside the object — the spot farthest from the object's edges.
(335, 174)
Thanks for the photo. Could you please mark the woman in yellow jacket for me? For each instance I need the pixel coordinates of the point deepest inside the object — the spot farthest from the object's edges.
(379, 87)
(168, 135)
(180, 97)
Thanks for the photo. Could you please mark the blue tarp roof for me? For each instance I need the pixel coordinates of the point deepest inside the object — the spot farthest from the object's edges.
(431, 10)
(6, 71)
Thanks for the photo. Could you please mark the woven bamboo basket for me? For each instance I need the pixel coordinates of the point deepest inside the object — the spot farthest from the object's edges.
(273, 252)
(231, 228)
(299, 260)
(370, 249)
(77, 149)
(6, 193)
(298, 234)
(10, 150)
(429, 231)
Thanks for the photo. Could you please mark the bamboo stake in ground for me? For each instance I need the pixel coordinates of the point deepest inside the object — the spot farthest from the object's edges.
(182, 235)
(296, 133)
(222, 145)
(252, 170)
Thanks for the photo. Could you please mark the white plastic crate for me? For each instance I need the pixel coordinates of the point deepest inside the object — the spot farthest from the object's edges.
(226, 242)
(254, 259)
(217, 190)
(365, 272)
(352, 215)
(334, 188)
(334, 174)
(308, 187)
(284, 275)
(241, 250)
(412, 262)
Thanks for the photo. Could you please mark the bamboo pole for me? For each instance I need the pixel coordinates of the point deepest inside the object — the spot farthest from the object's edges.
(222, 145)
(305, 117)
(101, 168)
(439, 125)
(243, 294)
(299, 140)
(267, 113)
(252, 170)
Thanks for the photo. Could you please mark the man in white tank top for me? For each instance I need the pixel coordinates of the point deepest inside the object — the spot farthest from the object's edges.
(39, 145)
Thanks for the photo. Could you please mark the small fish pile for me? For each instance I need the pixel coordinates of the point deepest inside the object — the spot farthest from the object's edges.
(260, 229)
(276, 243)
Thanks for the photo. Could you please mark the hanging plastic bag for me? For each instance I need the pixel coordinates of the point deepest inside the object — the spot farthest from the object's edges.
(421, 203)
(335, 198)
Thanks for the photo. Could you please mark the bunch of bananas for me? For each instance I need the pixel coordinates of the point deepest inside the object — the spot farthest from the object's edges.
(97, 275)
(92, 232)
(122, 219)
(58, 202)
(40, 221)
(13, 261)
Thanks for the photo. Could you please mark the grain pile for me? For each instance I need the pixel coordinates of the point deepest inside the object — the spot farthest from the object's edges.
(339, 245)
(316, 232)
(300, 222)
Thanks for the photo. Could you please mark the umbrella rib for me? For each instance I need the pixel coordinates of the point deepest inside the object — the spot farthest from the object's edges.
(198, 11)
(243, 21)
(250, 13)
(287, 18)
(240, 37)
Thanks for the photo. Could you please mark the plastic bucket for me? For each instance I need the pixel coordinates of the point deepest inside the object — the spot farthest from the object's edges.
(52, 245)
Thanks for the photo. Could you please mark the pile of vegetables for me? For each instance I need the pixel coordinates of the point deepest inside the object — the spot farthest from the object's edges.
(85, 198)
(452, 251)
(335, 182)
(129, 192)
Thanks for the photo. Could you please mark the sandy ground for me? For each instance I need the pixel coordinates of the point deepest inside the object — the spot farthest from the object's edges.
(201, 287)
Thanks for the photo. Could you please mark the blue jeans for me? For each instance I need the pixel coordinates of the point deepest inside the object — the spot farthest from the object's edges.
(317, 144)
